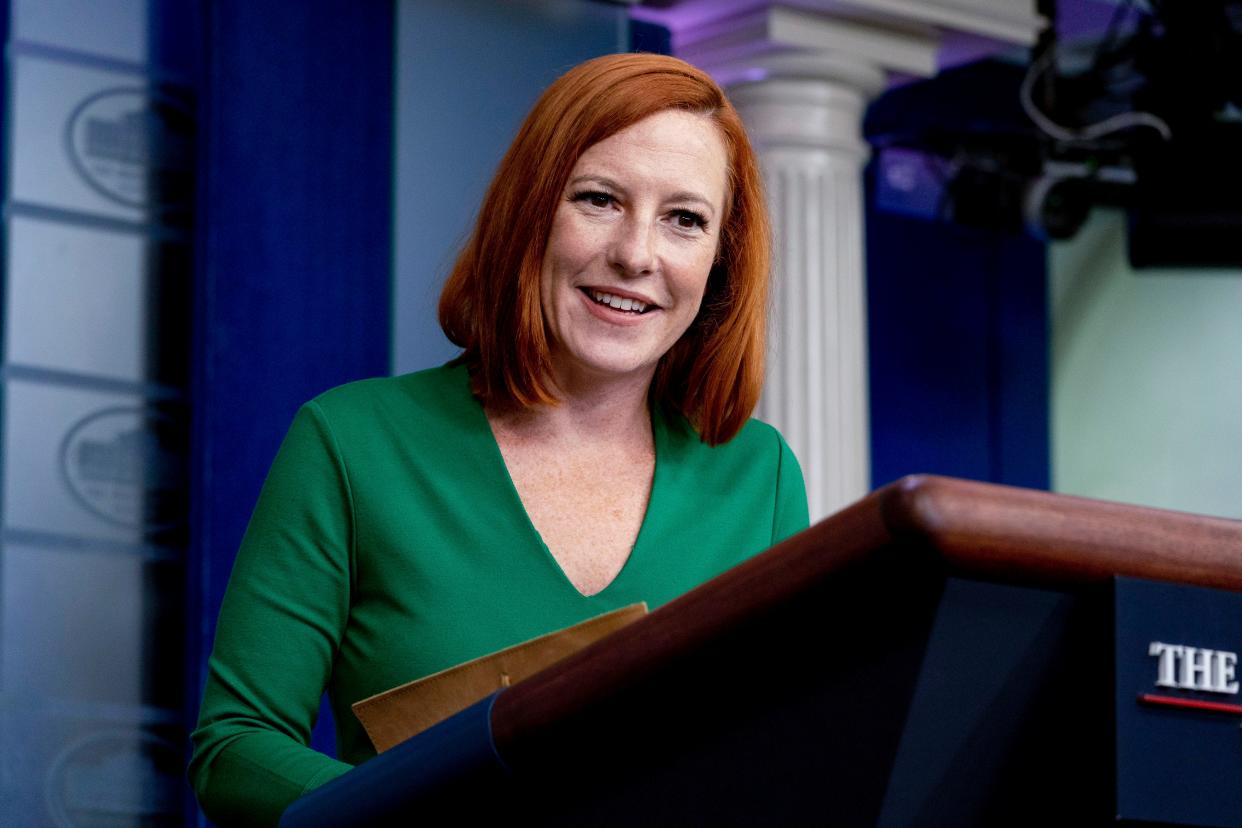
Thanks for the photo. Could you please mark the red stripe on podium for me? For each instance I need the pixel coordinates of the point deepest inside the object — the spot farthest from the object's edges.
(1196, 704)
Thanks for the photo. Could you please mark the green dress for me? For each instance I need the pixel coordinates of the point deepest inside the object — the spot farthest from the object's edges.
(389, 543)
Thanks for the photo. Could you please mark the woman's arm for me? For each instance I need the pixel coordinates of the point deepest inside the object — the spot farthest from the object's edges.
(280, 624)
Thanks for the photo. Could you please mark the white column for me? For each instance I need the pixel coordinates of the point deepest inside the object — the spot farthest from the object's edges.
(807, 132)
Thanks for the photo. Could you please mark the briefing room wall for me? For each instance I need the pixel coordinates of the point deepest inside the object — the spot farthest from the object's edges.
(98, 196)
(1146, 377)
(958, 351)
(467, 71)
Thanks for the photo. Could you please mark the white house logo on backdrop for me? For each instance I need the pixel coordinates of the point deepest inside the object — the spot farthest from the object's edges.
(134, 146)
(115, 777)
(126, 466)
(1181, 669)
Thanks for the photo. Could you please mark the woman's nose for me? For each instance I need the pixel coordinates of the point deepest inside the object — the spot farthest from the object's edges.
(633, 247)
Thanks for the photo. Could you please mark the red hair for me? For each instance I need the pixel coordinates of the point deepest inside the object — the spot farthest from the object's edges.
(491, 307)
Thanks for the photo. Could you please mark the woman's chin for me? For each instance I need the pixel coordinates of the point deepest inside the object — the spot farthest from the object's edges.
(605, 367)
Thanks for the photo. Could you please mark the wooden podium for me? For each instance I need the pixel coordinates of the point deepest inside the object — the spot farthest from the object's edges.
(940, 653)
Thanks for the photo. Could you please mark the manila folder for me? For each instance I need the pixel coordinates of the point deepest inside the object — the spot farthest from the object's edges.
(395, 715)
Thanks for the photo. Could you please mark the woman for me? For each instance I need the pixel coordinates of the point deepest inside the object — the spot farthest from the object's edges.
(590, 448)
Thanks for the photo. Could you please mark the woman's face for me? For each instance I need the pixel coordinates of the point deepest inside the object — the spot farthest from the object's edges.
(633, 240)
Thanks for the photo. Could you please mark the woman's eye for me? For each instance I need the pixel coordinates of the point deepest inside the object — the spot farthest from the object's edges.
(595, 199)
(689, 220)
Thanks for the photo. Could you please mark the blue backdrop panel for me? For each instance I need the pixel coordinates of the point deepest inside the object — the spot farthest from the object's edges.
(293, 271)
(958, 352)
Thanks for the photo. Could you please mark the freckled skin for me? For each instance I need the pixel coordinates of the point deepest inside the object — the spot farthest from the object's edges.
(640, 215)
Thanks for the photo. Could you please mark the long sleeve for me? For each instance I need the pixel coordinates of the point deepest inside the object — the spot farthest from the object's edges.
(280, 624)
(791, 515)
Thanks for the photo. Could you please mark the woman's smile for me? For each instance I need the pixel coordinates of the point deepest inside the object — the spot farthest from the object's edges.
(618, 307)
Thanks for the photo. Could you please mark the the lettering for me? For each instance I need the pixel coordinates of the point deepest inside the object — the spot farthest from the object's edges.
(1166, 663)
(1194, 668)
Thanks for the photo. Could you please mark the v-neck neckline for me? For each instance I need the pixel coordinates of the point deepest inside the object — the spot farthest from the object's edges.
(633, 561)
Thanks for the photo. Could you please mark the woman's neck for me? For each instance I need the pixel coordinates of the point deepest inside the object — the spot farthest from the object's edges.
(589, 411)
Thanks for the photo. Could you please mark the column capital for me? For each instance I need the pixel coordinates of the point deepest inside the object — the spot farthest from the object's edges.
(857, 42)
(788, 115)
